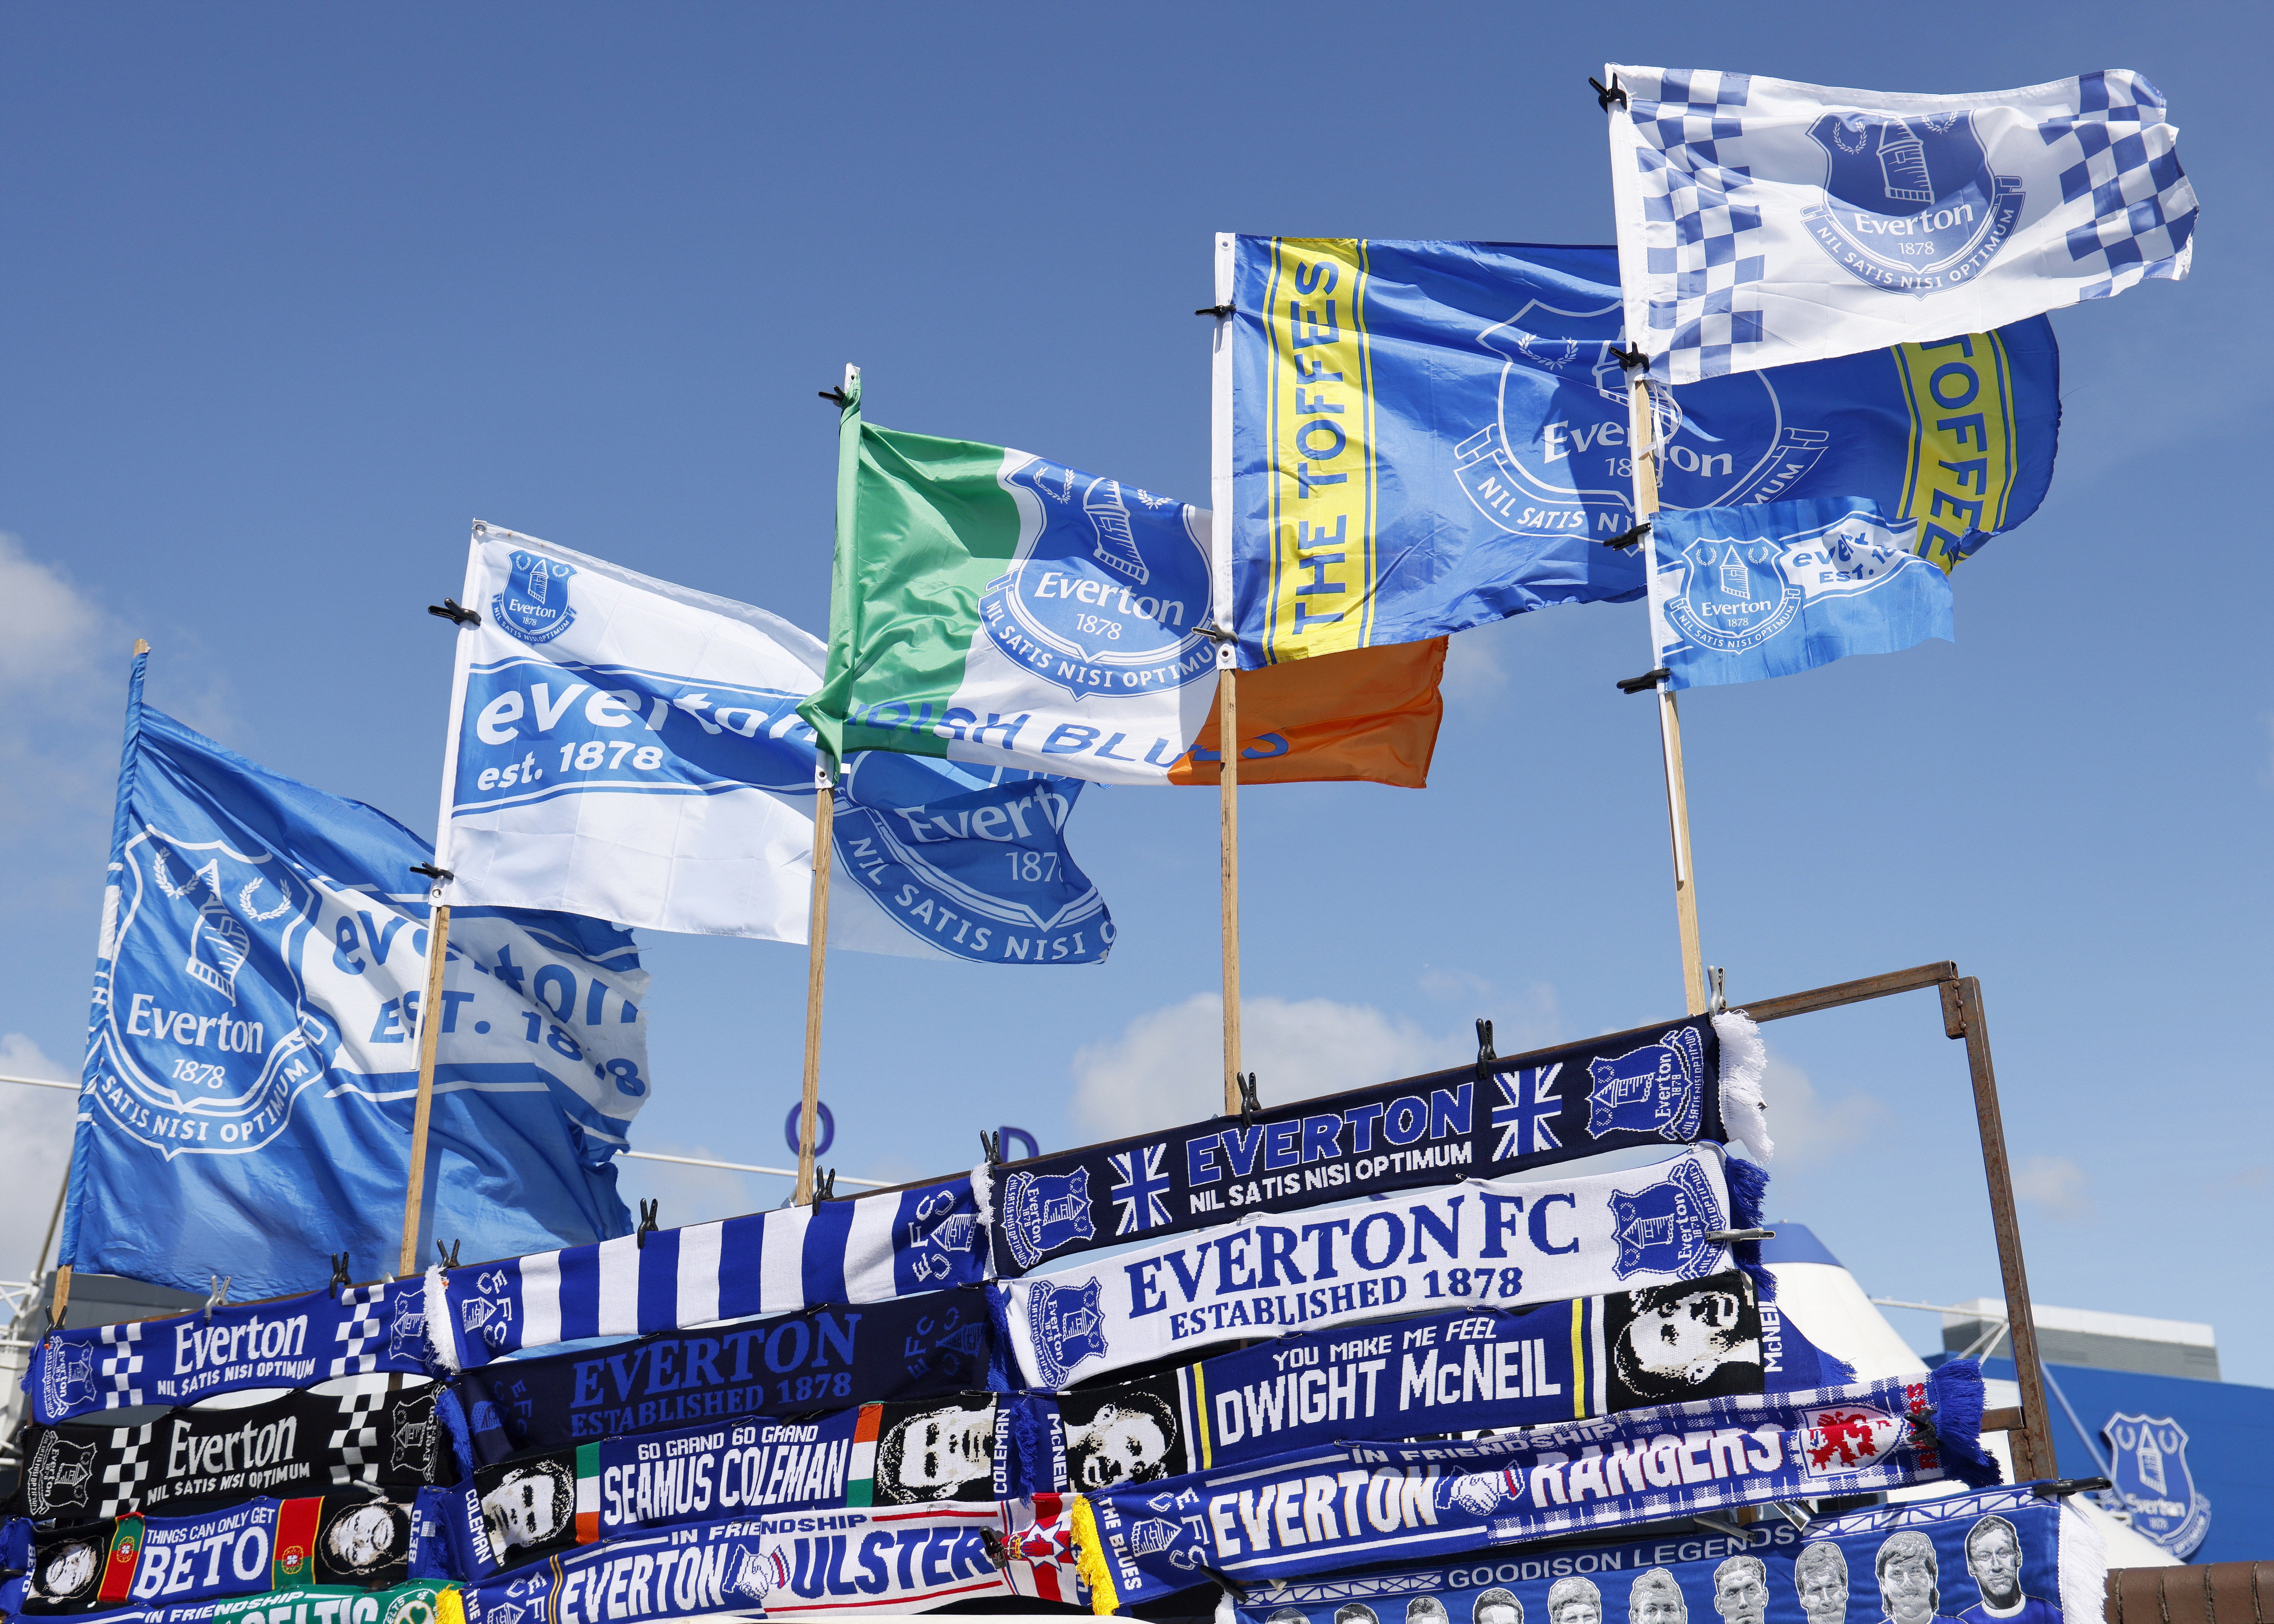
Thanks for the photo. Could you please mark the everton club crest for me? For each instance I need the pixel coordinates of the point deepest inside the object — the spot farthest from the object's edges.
(1042, 1211)
(1732, 594)
(1659, 1089)
(1909, 203)
(534, 606)
(1069, 1326)
(2150, 1464)
(1662, 1229)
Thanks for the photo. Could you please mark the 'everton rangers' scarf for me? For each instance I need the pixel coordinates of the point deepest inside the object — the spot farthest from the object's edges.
(190, 1460)
(1670, 1083)
(1480, 1244)
(863, 1250)
(825, 1561)
(1462, 1370)
(1299, 1515)
(261, 1544)
(2003, 1556)
(959, 1451)
(821, 1358)
(294, 1342)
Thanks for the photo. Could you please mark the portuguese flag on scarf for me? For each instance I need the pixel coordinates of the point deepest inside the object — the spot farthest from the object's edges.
(1002, 610)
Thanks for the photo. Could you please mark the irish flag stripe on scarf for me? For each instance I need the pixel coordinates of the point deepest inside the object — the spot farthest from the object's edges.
(588, 1494)
(1002, 610)
(860, 1478)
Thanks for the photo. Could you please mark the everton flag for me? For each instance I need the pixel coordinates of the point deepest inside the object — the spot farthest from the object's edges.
(1763, 221)
(252, 1055)
(1415, 437)
(627, 748)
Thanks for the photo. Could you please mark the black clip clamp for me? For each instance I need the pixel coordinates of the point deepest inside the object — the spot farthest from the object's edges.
(1606, 96)
(1627, 538)
(647, 1223)
(218, 1297)
(835, 397)
(451, 610)
(825, 1185)
(1485, 1055)
(2073, 1486)
(436, 875)
(340, 1276)
(1643, 683)
(993, 1145)
(1250, 1105)
(450, 1257)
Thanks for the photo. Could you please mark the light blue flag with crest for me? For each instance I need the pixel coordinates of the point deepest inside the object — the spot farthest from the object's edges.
(1737, 594)
(253, 1052)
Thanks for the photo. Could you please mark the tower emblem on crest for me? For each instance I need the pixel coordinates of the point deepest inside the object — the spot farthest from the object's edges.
(2150, 1464)
(534, 606)
(1068, 1326)
(1657, 1089)
(1909, 203)
(1042, 1211)
(1661, 1229)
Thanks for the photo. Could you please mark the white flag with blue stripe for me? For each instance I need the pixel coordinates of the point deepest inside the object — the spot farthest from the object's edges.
(1763, 221)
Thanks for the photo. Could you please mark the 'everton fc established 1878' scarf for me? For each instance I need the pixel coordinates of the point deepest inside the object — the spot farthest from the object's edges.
(1304, 1513)
(1462, 1370)
(192, 1460)
(820, 1358)
(2003, 1556)
(1671, 1083)
(291, 1342)
(864, 1251)
(1479, 1243)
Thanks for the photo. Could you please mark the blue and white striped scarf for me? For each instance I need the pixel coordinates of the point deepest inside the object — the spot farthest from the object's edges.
(863, 1250)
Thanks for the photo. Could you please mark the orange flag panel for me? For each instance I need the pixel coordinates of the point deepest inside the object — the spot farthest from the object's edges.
(1368, 714)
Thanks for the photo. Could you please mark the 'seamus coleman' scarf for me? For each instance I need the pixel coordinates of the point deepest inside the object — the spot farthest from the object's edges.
(2003, 1556)
(1478, 1243)
(1672, 1082)
(1371, 1503)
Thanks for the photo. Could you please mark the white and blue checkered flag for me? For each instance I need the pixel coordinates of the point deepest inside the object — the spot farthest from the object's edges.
(1763, 221)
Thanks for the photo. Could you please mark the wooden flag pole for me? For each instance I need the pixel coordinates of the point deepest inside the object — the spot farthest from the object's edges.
(1227, 692)
(430, 1033)
(1642, 436)
(824, 807)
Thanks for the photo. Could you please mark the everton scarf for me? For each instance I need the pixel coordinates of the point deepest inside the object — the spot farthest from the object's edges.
(872, 1558)
(1482, 1243)
(261, 1544)
(863, 1250)
(819, 1358)
(292, 1343)
(2026, 1555)
(1304, 1514)
(329, 1603)
(1459, 1371)
(1671, 1083)
(957, 1450)
(191, 1460)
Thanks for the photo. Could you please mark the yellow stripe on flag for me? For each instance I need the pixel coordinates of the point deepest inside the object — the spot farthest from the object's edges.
(1962, 455)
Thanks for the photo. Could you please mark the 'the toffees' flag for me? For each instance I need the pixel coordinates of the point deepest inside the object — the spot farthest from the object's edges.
(252, 1055)
(1415, 437)
(629, 749)
(1741, 593)
(996, 608)
(1762, 221)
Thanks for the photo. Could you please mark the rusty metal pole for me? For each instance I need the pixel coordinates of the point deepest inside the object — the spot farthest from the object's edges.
(1962, 1018)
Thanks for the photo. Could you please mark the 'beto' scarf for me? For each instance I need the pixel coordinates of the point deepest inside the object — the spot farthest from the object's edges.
(2023, 1553)
(819, 1358)
(894, 1243)
(191, 1460)
(826, 1561)
(1365, 1503)
(1478, 1244)
(292, 1343)
(261, 1544)
(1460, 1371)
(1673, 1082)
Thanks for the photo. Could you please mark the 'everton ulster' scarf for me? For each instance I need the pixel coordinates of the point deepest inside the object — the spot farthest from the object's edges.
(2003, 1556)
(1478, 1243)
(1672, 1083)
(864, 1251)
(1462, 1370)
(191, 1460)
(820, 1358)
(1300, 1514)
(291, 1342)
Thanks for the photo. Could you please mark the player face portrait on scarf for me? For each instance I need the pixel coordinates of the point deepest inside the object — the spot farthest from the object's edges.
(1820, 1575)
(1124, 1442)
(531, 1505)
(1910, 1583)
(1656, 1598)
(935, 1454)
(1494, 1607)
(364, 1538)
(1574, 1600)
(1994, 1556)
(1741, 1590)
(1701, 1339)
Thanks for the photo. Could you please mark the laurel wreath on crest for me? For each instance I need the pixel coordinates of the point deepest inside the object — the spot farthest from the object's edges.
(1571, 352)
(1854, 123)
(243, 896)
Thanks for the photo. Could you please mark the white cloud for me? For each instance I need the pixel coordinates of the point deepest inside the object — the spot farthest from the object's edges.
(1811, 1130)
(1472, 663)
(2056, 1184)
(35, 1135)
(1167, 1067)
(47, 630)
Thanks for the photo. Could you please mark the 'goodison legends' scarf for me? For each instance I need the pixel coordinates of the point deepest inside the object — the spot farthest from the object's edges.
(1480, 1243)
(861, 1251)
(292, 1343)
(190, 1460)
(824, 1561)
(262, 1545)
(1670, 1083)
(1299, 1515)
(2002, 1556)
(819, 1358)
(1462, 1370)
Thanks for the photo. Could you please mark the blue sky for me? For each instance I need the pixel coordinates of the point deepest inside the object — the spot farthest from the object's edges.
(294, 293)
